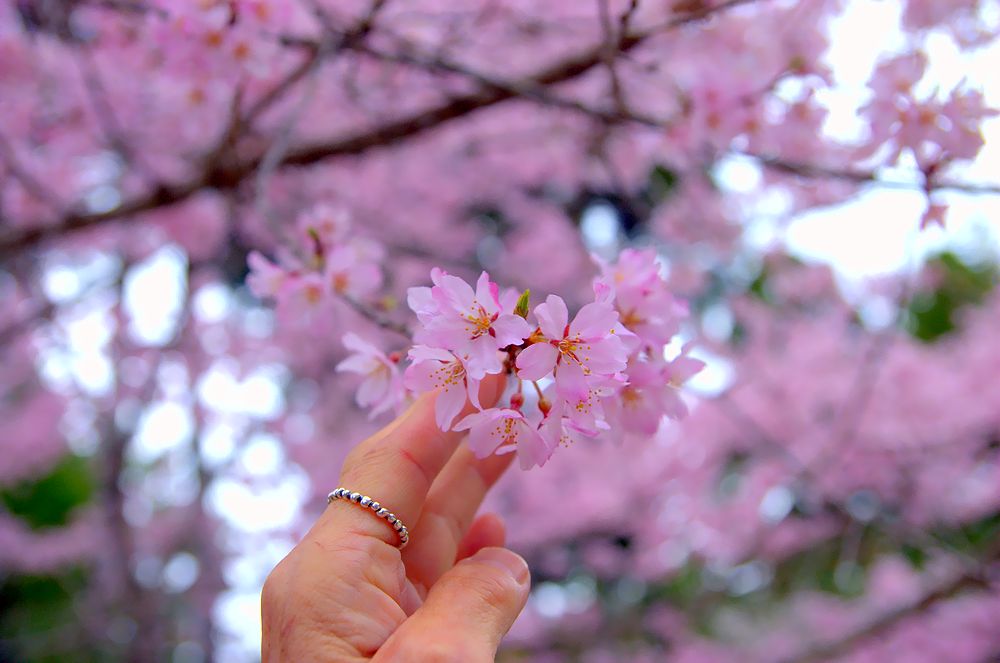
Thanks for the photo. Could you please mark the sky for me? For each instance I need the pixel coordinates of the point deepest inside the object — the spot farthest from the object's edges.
(876, 233)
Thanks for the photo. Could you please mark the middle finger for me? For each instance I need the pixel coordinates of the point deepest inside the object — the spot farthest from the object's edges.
(448, 511)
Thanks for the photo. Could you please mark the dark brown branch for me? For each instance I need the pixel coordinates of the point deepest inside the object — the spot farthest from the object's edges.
(161, 196)
(940, 594)
(220, 175)
(521, 89)
(313, 54)
(866, 176)
(25, 323)
(35, 187)
(283, 86)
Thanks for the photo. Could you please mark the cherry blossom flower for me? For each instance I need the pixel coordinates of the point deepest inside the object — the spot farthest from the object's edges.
(351, 270)
(558, 429)
(645, 304)
(421, 299)
(640, 405)
(585, 347)
(305, 294)
(434, 368)
(381, 388)
(471, 323)
(585, 407)
(501, 430)
(205, 100)
(326, 223)
(265, 279)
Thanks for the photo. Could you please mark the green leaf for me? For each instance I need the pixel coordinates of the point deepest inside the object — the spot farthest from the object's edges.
(662, 182)
(39, 623)
(521, 308)
(933, 314)
(917, 557)
(50, 500)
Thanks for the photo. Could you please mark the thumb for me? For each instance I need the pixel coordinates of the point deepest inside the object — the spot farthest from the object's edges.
(466, 613)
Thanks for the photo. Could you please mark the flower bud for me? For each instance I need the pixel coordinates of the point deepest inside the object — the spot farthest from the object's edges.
(521, 308)
(517, 401)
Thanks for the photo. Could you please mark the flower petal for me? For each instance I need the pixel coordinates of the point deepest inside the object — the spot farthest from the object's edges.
(553, 316)
(472, 387)
(511, 329)
(483, 357)
(536, 361)
(607, 356)
(373, 389)
(531, 447)
(422, 376)
(594, 320)
(355, 343)
(454, 293)
(421, 301)
(425, 353)
(488, 294)
(358, 363)
(449, 404)
(571, 383)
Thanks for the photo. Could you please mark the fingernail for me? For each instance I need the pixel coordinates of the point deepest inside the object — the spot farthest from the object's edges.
(504, 559)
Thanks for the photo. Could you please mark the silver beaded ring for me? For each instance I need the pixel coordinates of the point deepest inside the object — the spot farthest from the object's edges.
(377, 509)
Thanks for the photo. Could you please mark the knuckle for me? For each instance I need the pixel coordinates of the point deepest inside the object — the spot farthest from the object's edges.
(355, 458)
(489, 590)
(367, 466)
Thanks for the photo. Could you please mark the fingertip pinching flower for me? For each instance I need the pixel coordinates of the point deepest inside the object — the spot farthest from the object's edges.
(436, 368)
(504, 430)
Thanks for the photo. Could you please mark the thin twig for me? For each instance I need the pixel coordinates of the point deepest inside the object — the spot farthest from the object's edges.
(112, 129)
(34, 186)
(813, 171)
(880, 625)
(373, 316)
(221, 175)
(613, 39)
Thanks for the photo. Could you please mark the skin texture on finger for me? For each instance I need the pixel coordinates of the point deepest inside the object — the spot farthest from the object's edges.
(343, 591)
(397, 467)
(466, 613)
(332, 604)
(448, 512)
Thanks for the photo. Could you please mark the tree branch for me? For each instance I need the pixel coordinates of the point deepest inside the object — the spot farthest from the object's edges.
(219, 175)
(32, 185)
(865, 176)
(940, 594)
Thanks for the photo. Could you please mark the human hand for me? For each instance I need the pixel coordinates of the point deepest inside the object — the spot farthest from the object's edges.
(347, 593)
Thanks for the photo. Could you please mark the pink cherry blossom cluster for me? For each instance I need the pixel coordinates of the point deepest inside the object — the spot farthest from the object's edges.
(326, 259)
(465, 136)
(937, 129)
(602, 373)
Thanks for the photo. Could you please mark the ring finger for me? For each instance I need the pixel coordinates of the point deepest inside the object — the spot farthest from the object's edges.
(448, 512)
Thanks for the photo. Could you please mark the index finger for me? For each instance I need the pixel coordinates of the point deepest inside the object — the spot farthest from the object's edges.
(398, 465)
